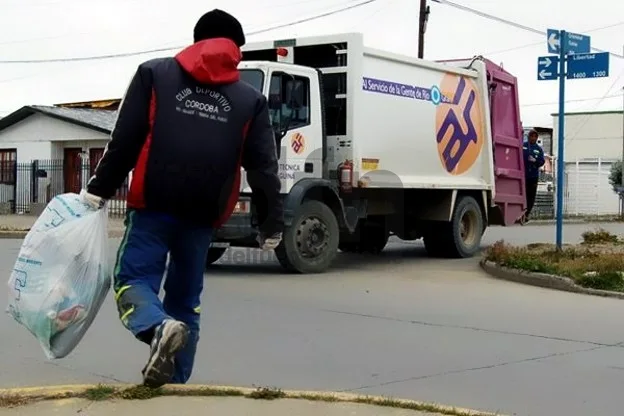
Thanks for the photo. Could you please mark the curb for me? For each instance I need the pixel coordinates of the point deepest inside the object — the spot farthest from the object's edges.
(42, 393)
(544, 280)
(21, 234)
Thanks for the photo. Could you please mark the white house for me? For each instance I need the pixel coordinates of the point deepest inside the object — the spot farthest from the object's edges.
(592, 142)
(48, 150)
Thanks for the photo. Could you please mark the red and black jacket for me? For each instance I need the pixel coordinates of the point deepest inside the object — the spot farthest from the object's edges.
(186, 125)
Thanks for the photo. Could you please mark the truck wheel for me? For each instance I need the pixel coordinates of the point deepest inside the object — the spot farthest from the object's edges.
(461, 237)
(214, 254)
(310, 244)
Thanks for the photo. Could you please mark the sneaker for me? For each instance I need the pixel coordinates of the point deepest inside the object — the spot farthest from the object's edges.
(169, 338)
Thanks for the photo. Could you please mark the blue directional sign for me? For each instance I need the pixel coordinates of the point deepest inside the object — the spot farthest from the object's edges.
(588, 65)
(574, 42)
(547, 68)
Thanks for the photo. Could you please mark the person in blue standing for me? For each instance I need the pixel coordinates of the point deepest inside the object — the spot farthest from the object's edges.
(533, 161)
(185, 127)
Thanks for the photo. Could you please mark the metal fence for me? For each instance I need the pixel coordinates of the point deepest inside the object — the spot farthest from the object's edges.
(587, 192)
(26, 188)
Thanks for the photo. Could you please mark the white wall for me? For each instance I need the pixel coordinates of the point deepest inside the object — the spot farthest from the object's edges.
(587, 135)
(28, 151)
(41, 128)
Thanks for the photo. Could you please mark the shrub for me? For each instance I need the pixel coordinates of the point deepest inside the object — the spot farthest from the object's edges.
(599, 236)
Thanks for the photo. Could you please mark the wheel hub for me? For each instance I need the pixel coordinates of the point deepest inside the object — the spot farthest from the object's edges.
(467, 228)
(312, 237)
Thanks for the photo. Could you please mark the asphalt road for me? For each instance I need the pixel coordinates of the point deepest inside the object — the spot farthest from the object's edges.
(401, 325)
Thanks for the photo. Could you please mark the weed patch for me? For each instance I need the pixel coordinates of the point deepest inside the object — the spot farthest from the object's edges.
(99, 393)
(267, 393)
(597, 263)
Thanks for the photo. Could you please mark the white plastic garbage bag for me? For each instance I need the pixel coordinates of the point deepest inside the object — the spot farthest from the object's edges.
(62, 274)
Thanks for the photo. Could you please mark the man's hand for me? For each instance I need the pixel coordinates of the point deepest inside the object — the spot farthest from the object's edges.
(532, 159)
(270, 243)
(93, 201)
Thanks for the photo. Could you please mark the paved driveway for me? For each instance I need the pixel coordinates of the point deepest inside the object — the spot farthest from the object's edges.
(400, 324)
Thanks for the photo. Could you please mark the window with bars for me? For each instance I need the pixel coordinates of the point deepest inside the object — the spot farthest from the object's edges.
(8, 160)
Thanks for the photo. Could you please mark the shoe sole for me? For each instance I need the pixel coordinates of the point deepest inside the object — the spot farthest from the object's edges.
(159, 369)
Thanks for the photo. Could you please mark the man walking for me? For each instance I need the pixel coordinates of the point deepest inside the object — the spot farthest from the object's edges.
(533, 161)
(185, 127)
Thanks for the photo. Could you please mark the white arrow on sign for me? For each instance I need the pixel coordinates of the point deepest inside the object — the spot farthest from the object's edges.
(546, 63)
(543, 74)
(553, 41)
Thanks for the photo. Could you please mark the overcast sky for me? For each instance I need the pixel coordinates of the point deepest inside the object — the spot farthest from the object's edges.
(50, 29)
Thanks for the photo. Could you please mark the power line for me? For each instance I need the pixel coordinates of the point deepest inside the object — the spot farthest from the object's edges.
(572, 101)
(515, 48)
(152, 22)
(170, 48)
(595, 105)
(505, 21)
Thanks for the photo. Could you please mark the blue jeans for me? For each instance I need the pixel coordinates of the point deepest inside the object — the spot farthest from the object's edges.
(140, 266)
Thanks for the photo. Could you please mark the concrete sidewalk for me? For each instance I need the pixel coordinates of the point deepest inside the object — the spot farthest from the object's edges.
(182, 400)
(194, 406)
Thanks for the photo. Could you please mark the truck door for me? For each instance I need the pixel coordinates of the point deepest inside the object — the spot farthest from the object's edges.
(294, 107)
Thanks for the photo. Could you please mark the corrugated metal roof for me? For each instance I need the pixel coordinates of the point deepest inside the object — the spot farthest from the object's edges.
(103, 119)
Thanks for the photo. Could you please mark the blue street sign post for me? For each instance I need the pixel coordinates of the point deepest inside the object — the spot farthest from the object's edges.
(573, 49)
(561, 119)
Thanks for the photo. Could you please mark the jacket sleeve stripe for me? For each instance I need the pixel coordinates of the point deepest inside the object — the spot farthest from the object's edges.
(136, 193)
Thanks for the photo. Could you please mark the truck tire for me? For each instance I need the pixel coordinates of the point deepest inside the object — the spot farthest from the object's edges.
(310, 244)
(459, 238)
(214, 254)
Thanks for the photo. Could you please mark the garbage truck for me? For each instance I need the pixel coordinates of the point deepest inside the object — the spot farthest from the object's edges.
(373, 144)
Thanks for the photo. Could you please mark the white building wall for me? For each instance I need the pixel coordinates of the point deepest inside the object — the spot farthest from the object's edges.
(28, 151)
(593, 141)
(590, 135)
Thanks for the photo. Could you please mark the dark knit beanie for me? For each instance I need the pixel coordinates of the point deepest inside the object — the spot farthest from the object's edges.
(219, 24)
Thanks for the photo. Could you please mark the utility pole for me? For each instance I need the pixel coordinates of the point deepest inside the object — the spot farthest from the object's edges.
(422, 27)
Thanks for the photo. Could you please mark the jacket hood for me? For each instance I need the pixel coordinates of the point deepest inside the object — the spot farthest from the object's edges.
(211, 61)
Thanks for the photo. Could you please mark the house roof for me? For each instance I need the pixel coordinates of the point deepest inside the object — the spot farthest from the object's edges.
(96, 119)
(110, 104)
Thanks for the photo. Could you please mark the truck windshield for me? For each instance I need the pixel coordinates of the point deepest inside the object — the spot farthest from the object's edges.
(253, 77)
